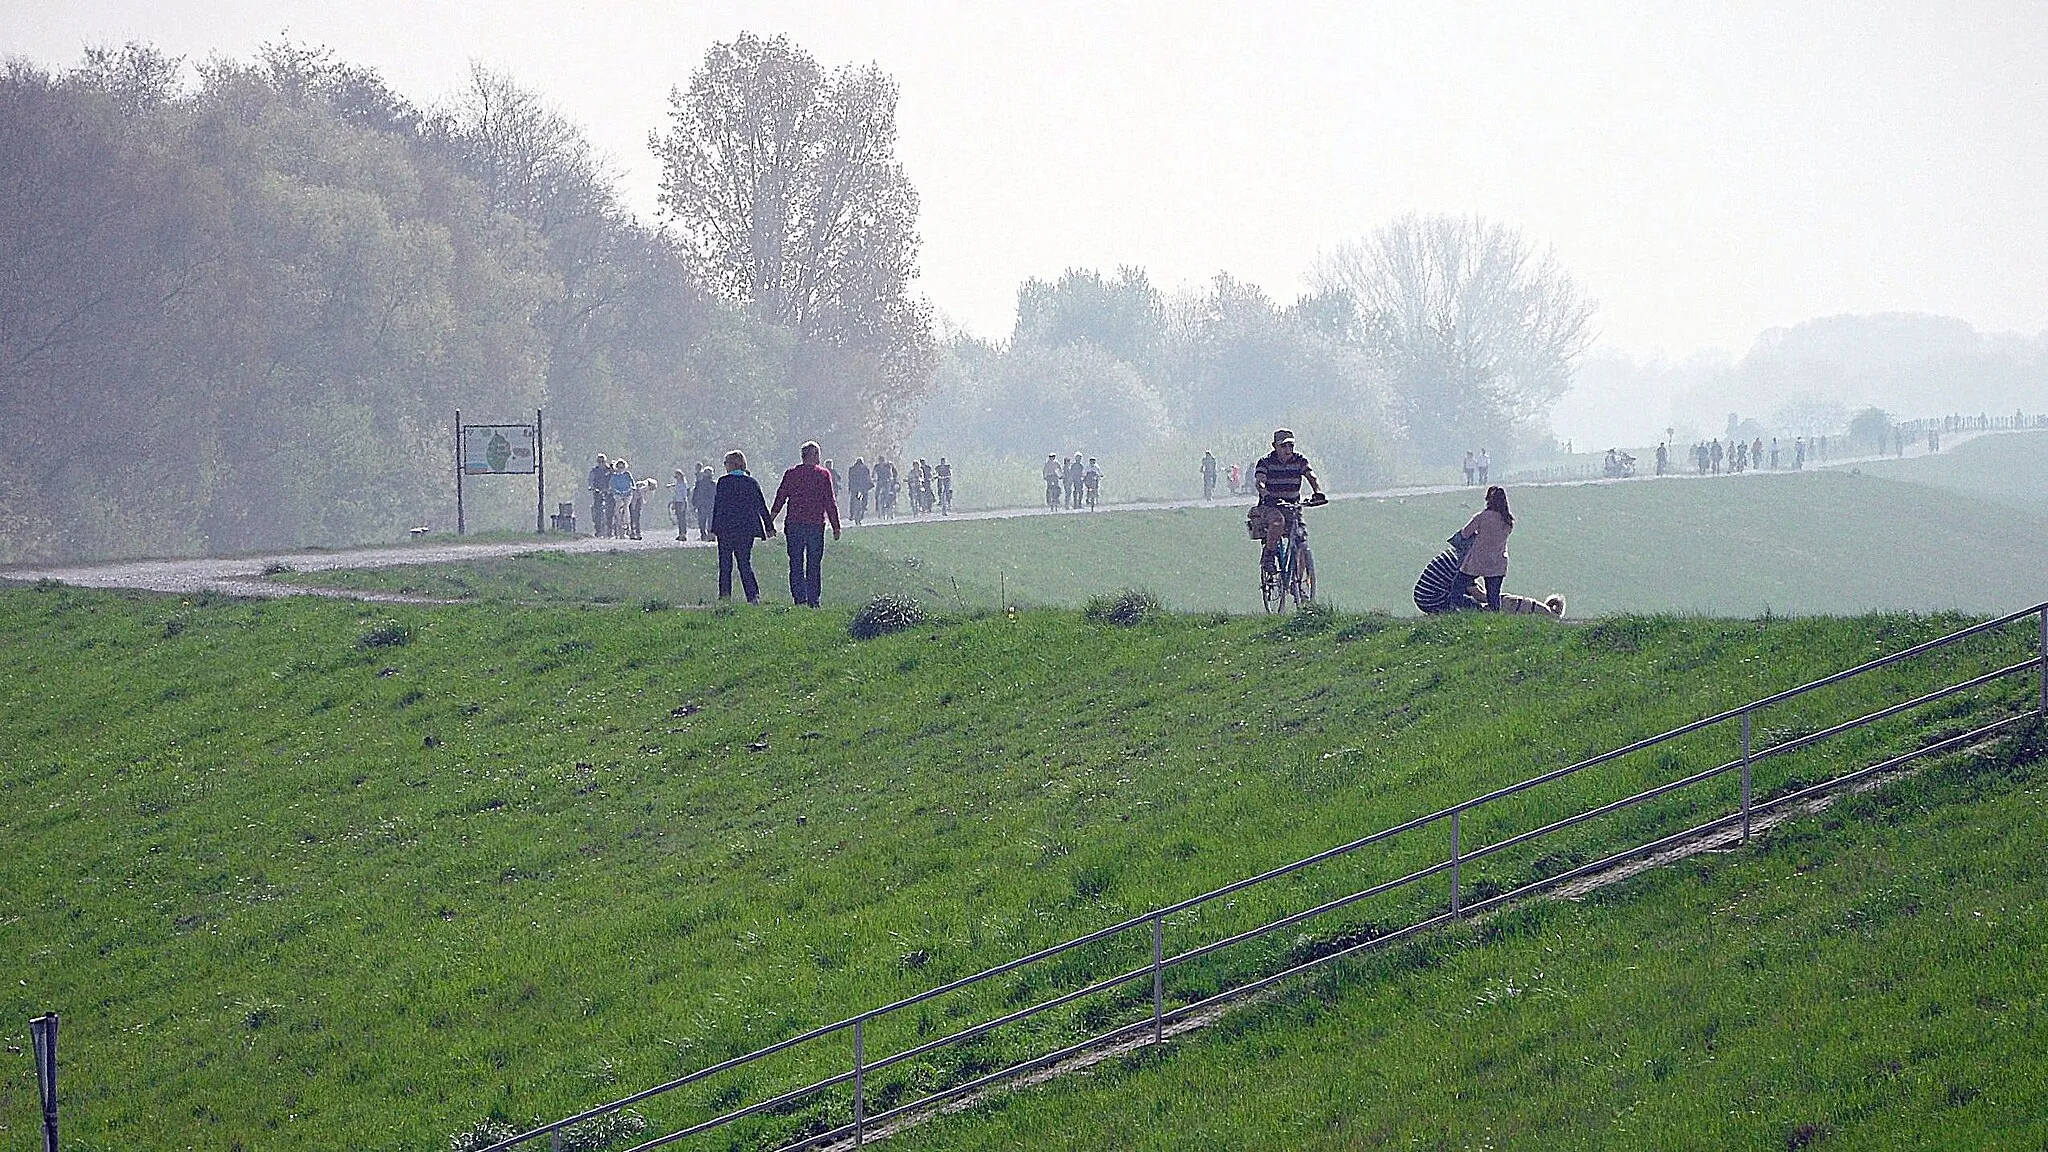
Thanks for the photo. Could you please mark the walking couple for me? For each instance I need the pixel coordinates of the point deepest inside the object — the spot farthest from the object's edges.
(740, 516)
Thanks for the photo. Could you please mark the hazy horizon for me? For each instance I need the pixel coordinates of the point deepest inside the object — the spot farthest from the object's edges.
(1705, 172)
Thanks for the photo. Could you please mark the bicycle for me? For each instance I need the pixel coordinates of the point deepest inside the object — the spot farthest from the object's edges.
(1293, 574)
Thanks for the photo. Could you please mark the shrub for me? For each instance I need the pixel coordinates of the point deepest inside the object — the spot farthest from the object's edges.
(1128, 607)
(884, 614)
(388, 634)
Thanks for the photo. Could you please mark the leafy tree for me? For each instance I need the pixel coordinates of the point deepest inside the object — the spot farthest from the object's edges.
(1477, 331)
(1872, 426)
(784, 184)
(1123, 316)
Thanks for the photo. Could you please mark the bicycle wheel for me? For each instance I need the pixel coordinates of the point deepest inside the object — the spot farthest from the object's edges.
(1304, 577)
(1272, 588)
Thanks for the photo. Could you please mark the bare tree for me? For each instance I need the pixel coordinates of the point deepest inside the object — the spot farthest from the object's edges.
(1476, 329)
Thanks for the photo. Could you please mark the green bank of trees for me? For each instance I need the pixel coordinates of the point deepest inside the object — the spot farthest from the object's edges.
(237, 313)
(240, 301)
(1431, 337)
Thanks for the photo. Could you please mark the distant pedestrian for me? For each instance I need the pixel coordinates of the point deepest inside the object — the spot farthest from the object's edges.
(1756, 453)
(1483, 462)
(1488, 530)
(704, 494)
(1663, 458)
(1053, 471)
(1471, 467)
(739, 516)
(634, 503)
(622, 496)
(860, 481)
(1774, 453)
(601, 497)
(1714, 455)
(944, 475)
(1091, 482)
(679, 504)
(807, 491)
(1799, 453)
(1208, 475)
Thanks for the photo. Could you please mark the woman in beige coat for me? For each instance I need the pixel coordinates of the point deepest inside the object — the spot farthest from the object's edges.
(1488, 556)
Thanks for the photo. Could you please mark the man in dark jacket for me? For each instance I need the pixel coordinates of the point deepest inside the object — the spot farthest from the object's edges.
(739, 516)
(703, 494)
(807, 490)
(601, 497)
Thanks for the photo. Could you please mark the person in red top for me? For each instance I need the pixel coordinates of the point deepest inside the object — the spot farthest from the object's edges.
(807, 490)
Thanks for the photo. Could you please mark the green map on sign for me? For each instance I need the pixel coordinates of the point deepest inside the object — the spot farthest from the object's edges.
(498, 452)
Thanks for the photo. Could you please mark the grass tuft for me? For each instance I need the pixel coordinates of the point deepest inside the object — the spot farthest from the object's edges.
(884, 614)
(1126, 608)
(388, 634)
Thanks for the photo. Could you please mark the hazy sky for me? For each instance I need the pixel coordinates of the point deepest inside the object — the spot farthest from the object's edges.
(1707, 170)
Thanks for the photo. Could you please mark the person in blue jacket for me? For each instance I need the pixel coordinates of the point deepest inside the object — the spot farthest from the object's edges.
(739, 516)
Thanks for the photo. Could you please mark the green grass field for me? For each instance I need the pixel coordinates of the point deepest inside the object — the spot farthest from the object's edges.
(312, 874)
(1865, 980)
(1799, 543)
(2009, 468)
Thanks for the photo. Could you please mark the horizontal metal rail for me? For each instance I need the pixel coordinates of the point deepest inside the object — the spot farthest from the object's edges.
(1159, 1015)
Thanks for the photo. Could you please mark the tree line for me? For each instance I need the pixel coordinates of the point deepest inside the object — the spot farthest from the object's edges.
(237, 313)
(240, 300)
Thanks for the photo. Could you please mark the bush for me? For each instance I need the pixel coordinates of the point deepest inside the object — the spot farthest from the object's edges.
(885, 614)
(1128, 607)
(389, 634)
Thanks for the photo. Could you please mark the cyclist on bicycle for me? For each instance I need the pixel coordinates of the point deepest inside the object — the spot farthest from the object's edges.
(1277, 478)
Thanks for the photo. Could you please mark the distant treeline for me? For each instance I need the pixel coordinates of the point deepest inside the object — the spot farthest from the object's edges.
(240, 302)
(238, 313)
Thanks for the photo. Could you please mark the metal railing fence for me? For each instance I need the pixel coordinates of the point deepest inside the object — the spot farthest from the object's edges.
(1150, 925)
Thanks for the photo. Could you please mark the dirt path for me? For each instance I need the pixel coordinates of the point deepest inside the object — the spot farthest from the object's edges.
(246, 575)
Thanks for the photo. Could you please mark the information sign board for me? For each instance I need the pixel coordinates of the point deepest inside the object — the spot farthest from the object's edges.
(498, 449)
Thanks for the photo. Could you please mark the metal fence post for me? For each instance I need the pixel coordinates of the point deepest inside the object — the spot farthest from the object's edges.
(1454, 861)
(44, 1030)
(555, 1140)
(860, 1104)
(1158, 983)
(2044, 660)
(1745, 776)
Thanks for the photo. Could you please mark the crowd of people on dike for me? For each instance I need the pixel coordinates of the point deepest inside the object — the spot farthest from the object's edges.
(617, 498)
(928, 488)
(1071, 484)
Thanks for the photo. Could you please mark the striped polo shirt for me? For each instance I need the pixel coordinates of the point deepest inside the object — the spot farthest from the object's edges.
(1282, 480)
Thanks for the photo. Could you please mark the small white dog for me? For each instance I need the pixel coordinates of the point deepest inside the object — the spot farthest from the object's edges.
(1551, 605)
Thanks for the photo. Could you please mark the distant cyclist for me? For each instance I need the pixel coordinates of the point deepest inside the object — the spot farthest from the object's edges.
(1091, 483)
(945, 477)
(1277, 478)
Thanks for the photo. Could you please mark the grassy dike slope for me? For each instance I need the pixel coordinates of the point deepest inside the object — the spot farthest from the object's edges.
(1802, 543)
(2008, 468)
(1788, 543)
(311, 875)
(1870, 979)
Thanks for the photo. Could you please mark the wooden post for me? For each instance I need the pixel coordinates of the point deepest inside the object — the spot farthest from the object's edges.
(44, 1030)
(540, 479)
(459, 525)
